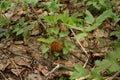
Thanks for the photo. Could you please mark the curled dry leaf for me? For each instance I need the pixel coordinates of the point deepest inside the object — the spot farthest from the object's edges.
(4, 63)
(18, 49)
(42, 69)
(64, 62)
(22, 61)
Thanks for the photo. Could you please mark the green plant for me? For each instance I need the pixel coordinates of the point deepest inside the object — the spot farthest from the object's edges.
(54, 30)
(22, 28)
(26, 2)
(3, 32)
(75, 23)
(116, 33)
(101, 4)
(45, 48)
(4, 21)
(78, 72)
(52, 5)
(5, 5)
(109, 65)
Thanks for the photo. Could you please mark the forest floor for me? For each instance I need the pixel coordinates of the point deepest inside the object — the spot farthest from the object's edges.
(22, 59)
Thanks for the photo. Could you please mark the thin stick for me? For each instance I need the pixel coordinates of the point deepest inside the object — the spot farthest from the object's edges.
(111, 78)
(53, 70)
(37, 17)
(3, 75)
(82, 49)
(58, 66)
(80, 43)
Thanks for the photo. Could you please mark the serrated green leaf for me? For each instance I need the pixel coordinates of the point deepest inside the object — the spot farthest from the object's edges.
(65, 51)
(96, 75)
(54, 30)
(89, 17)
(52, 5)
(75, 75)
(80, 35)
(114, 55)
(114, 67)
(78, 72)
(63, 34)
(104, 64)
(44, 48)
(69, 45)
(33, 2)
(65, 17)
(51, 19)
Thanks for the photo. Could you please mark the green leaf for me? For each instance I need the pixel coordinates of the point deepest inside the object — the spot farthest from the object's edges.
(54, 30)
(65, 17)
(48, 40)
(33, 2)
(52, 5)
(89, 17)
(20, 32)
(74, 26)
(69, 45)
(114, 67)
(26, 34)
(44, 48)
(4, 21)
(103, 65)
(63, 34)
(56, 54)
(5, 5)
(95, 75)
(78, 72)
(29, 27)
(65, 51)
(15, 28)
(94, 26)
(80, 35)
(22, 21)
(77, 14)
(51, 19)
(106, 14)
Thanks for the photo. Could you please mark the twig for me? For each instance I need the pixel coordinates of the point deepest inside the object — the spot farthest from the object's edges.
(53, 70)
(37, 17)
(111, 78)
(3, 75)
(82, 49)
